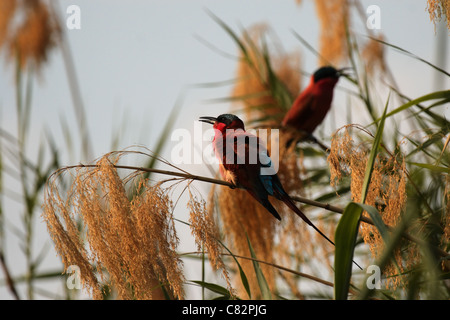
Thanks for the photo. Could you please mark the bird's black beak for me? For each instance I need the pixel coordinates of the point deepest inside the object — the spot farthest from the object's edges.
(209, 120)
(342, 72)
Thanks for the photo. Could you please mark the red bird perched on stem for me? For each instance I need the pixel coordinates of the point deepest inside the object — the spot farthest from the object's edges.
(311, 106)
(245, 163)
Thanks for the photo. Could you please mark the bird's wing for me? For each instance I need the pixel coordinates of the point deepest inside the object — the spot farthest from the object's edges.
(301, 109)
(266, 179)
(254, 156)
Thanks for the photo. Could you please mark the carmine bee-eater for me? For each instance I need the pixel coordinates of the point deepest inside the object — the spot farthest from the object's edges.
(311, 106)
(245, 163)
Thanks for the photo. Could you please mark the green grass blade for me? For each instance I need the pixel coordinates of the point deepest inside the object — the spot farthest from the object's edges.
(432, 167)
(410, 54)
(277, 87)
(347, 229)
(244, 279)
(244, 97)
(431, 96)
(377, 221)
(373, 153)
(310, 47)
(442, 121)
(230, 32)
(345, 239)
(213, 287)
(263, 286)
(438, 119)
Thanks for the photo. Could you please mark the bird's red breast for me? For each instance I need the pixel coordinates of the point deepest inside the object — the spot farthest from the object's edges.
(311, 106)
(242, 156)
(238, 148)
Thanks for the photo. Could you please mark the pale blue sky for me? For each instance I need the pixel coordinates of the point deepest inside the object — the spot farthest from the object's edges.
(134, 58)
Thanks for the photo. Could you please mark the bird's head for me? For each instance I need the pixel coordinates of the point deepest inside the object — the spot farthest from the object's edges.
(329, 74)
(224, 121)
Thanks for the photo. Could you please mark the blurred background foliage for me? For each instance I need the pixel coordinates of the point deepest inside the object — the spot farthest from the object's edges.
(409, 188)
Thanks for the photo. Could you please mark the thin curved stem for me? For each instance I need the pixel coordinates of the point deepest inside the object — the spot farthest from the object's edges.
(188, 176)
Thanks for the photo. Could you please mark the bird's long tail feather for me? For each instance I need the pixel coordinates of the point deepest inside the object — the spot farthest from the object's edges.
(288, 201)
(266, 203)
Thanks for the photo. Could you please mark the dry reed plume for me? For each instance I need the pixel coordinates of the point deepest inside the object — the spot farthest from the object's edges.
(7, 9)
(335, 22)
(253, 75)
(373, 54)
(437, 9)
(205, 232)
(128, 244)
(387, 193)
(446, 222)
(333, 17)
(31, 40)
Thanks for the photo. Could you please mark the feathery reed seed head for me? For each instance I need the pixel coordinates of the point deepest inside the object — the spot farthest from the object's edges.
(373, 54)
(333, 17)
(35, 35)
(437, 9)
(205, 232)
(386, 192)
(130, 244)
(7, 9)
(446, 220)
(253, 85)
